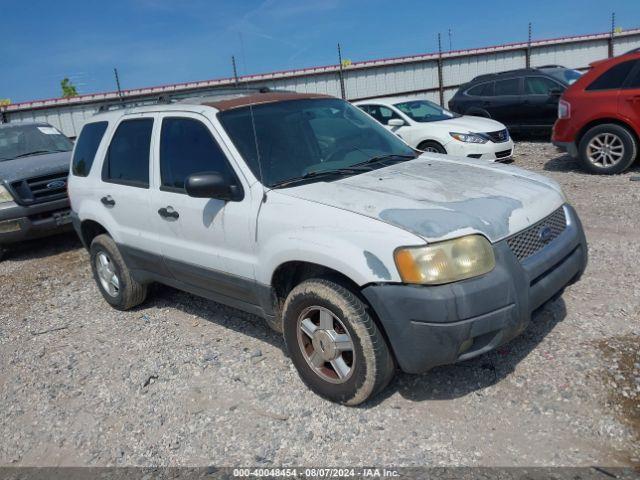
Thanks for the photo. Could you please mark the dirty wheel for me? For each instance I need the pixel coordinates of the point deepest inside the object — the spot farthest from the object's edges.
(112, 276)
(334, 343)
(431, 146)
(608, 149)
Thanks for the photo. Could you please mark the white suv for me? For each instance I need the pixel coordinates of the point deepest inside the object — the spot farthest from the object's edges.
(305, 211)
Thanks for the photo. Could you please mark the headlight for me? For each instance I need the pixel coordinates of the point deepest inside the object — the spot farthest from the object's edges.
(468, 137)
(5, 196)
(445, 262)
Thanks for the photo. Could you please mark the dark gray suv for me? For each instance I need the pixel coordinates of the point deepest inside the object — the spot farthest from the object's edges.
(34, 164)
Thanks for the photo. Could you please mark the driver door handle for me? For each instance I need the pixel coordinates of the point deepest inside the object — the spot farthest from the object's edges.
(108, 201)
(168, 212)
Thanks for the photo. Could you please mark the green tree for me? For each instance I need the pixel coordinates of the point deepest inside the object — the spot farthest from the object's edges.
(68, 88)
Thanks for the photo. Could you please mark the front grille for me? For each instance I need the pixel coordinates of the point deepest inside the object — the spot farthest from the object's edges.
(529, 241)
(41, 189)
(503, 153)
(499, 136)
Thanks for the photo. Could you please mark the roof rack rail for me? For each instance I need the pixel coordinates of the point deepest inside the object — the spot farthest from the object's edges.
(489, 75)
(171, 98)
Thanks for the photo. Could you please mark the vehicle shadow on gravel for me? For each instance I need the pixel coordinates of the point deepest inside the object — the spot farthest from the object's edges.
(460, 379)
(568, 164)
(42, 247)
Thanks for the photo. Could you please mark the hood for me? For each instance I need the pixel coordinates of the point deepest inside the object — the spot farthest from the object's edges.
(34, 166)
(469, 124)
(438, 197)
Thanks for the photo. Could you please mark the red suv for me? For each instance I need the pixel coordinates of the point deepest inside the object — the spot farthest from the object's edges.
(599, 115)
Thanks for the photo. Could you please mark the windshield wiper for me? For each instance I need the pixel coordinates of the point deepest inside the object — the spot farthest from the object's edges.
(381, 158)
(38, 152)
(322, 173)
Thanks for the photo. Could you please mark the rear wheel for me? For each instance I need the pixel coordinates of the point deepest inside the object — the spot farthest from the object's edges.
(334, 343)
(608, 149)
(112, 275)
(431, 146)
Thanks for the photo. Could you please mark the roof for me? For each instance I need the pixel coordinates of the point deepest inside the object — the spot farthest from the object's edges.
(260, 98)
(24, 124)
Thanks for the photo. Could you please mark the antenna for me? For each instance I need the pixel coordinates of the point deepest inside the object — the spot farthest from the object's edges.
(342, 92)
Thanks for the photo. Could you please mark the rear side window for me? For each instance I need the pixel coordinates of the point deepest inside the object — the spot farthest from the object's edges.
(507, 87)
(539, 85)
(482, 90)
(127, 160)
(634, 81)
(86, 148)
(187, 147)
(613, 78)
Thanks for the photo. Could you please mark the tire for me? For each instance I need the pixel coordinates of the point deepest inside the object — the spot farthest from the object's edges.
(370, 363)
(620, 154)
(3, 252)
(128, 292)
(431, 146)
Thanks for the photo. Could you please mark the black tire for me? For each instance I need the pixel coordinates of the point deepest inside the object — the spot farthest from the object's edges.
(372, 365)
(622, 135)
(3, 252)
(129, 292)
(431, 146)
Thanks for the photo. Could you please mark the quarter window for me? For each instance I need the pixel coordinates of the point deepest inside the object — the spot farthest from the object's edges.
(539, 85)
(634, 81)
(613, 78)
(507, 87)
(187, 147)
(127, 160)
(86, 148)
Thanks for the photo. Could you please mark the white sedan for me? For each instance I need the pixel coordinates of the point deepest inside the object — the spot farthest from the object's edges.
(431, 128)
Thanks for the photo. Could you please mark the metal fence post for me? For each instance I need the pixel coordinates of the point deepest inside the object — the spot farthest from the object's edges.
(528, 50)
(235, 71)
(440, 79)
(115, 72)
(341, 74)
(613, 29)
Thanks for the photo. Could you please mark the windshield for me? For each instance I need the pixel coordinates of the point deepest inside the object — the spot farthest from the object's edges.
(25, 140)
(424, 111)
(566, 75)
(301, 137)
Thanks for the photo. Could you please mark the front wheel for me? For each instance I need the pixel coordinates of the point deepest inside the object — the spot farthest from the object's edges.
(431, 146)
(608, 149)
(334, 343)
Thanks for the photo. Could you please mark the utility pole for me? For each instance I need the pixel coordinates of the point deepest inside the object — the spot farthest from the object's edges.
(115, 72)
(440, 79)
(450, 43)
(612, 33)
(528, 51)
(341, 74)
(235, 71)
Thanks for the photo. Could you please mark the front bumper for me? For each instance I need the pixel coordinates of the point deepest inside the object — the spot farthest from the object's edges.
(497, 152)
(437, 325)
(18, 223)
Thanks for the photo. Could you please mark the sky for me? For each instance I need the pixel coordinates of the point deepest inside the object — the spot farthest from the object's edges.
(157, 42)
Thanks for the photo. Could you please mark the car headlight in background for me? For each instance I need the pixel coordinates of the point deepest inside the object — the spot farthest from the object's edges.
(5, 196)
(468, 137)
(445, 262)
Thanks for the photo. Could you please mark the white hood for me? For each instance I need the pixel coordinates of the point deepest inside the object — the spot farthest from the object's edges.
(438, 197)
(469, 124)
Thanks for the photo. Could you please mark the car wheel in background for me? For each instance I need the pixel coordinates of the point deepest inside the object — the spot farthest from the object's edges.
(112, 275)
(431, 146)
(334, 343)
(608, 149)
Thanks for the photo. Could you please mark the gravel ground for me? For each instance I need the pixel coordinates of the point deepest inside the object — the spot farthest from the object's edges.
(184, 381)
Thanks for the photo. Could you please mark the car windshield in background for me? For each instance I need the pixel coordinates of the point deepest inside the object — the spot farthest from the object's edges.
(26, 140)
(306, 138)
(566, 75)
(424, 111)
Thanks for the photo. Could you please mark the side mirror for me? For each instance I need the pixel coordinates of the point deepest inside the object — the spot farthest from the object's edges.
(212, 185)
(556, 92)
(396, 122)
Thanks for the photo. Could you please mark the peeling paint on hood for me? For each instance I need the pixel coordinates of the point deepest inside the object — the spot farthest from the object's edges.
(439, 197)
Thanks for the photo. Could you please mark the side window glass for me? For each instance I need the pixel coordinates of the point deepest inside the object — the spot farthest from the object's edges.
(482, 90)
(86, 148)
(187, 147)
(539, 85)
(613, 78)
(634, 81)
(127, 160)
(507, 87)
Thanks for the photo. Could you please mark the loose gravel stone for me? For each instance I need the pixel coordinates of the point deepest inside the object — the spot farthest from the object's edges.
(184, 381)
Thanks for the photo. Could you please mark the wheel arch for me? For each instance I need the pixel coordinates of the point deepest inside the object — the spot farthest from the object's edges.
(90, 229)
(602, 121)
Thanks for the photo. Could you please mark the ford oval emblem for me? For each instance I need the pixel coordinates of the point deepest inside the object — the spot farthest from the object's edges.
(545, 234)
(56, 184)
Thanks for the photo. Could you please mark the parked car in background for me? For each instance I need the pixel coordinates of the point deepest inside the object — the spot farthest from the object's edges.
(564, 74)
(525, 100)
(429, 127)
(302, 209)
(34, 164)
(599, 116)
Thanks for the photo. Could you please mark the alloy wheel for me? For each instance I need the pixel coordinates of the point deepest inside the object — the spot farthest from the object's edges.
(107, 274)
(605, 150)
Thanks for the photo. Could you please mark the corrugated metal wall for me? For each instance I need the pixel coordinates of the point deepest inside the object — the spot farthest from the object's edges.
(416, 76)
